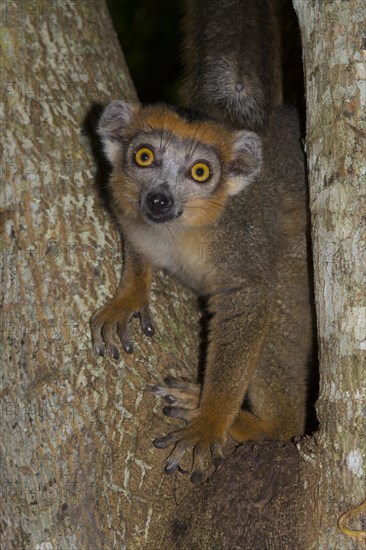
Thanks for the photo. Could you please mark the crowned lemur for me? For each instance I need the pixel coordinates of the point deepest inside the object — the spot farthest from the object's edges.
(223, 172)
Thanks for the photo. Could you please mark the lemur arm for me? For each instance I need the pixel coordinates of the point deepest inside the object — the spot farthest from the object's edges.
(131, 299)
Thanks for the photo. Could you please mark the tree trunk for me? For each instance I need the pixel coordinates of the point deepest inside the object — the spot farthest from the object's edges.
(334, 49)
(79, 469)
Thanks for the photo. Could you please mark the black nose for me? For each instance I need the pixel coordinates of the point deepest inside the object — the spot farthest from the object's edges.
(159, 203)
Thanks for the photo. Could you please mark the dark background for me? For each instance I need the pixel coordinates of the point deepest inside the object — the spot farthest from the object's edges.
(150, 35)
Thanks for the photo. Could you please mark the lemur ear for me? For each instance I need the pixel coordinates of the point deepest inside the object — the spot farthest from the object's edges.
(247, 161)
(111, 128)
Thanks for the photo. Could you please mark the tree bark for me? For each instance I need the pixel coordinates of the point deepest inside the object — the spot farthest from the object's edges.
(334, 50)
(79, 469)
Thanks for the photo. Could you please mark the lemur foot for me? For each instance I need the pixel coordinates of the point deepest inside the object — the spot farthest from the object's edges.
(205, 432)
(179, 392)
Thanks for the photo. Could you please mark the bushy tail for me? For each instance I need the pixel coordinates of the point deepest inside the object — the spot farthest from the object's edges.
(232, 61)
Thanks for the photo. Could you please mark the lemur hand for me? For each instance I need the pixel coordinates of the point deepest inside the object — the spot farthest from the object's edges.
(111, 321)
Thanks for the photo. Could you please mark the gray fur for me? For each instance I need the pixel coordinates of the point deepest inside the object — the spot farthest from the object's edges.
(111, 128)
(231, 55)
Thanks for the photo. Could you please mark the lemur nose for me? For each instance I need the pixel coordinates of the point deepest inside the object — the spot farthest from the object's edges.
(159, 203)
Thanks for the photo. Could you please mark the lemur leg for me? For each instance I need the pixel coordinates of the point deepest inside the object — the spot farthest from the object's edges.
(248, 427)
(228, 372)
(110, 322)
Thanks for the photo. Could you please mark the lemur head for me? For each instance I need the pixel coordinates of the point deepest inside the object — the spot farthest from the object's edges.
(173, 166)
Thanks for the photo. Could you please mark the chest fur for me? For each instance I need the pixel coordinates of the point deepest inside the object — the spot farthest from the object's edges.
(185, 255)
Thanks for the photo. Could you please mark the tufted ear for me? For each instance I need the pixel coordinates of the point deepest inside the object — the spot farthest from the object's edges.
(112, 125)
(247, 161)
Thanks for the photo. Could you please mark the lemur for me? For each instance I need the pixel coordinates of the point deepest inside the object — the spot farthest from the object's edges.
(223, 173)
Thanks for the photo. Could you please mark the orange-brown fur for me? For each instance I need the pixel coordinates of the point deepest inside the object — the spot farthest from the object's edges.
(132, 295)
(158, 117)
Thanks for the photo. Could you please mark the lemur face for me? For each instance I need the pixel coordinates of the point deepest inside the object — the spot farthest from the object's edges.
(172, 169)
(171, 173)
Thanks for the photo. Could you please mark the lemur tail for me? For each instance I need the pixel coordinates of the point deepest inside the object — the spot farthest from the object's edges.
(232, 61)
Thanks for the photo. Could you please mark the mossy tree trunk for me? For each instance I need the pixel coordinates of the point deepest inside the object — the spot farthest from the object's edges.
(334, 50)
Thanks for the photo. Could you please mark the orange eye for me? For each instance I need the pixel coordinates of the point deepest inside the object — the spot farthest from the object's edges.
(144, 156)
(200, 172)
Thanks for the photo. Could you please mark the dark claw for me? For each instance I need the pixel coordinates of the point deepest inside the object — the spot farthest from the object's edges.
(160, 443)
(171, 466)
(196, 477)
(128, 347)
(170, 399)
(168, 411)
(163, 442)
(158, 390)
(100, 350)
(146, 324)
(175, 412)
(217, 455)
(218, 460)
(114, 352)
(148, 328)
(174, 382)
